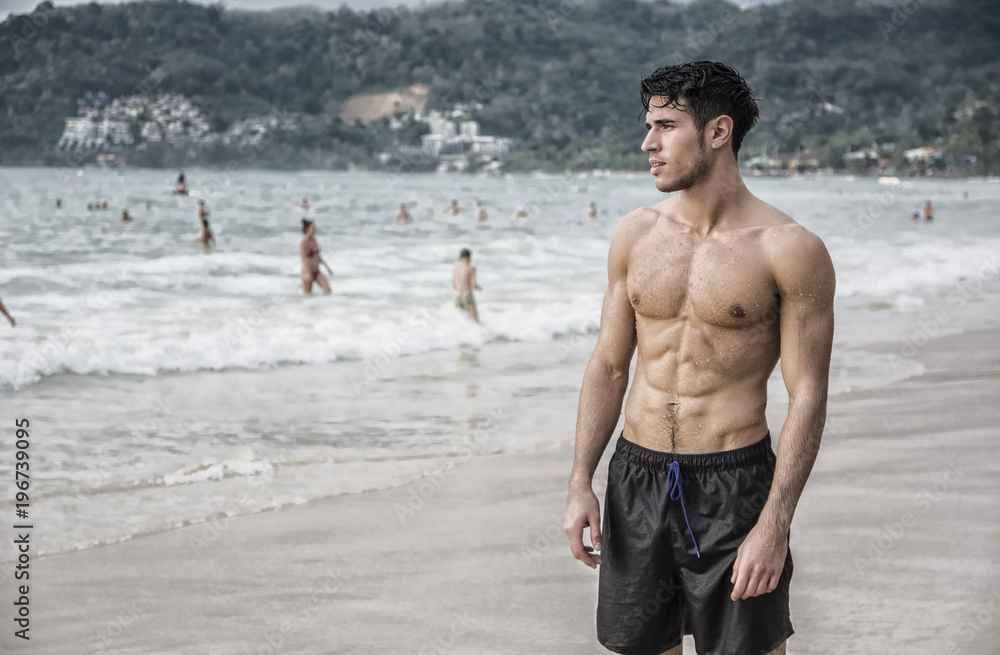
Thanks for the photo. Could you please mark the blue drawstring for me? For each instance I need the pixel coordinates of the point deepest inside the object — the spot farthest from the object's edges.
(675, 492)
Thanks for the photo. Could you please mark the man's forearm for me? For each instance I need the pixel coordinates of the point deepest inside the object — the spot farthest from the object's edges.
(600, 406)
(796, 454)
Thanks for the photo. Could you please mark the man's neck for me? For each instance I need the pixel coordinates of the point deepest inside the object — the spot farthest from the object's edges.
(708, 204)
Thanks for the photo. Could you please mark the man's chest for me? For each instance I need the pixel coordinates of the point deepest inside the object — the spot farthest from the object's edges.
(725, 282)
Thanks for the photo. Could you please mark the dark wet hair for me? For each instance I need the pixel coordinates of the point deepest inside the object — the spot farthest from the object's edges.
(465, 254)
(705, 90)
(305, 224)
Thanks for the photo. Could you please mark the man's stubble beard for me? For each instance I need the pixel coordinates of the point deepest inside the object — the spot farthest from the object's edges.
(688, 178)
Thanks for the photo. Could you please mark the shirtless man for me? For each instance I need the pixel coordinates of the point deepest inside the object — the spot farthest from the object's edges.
(403, 215)
(453, 208)
(592, 210)
(711, 286)
(203, 210)
(463, 281)
(481, 214)
(928, 211)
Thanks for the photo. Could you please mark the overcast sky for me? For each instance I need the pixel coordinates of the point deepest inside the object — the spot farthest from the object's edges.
(8, 7)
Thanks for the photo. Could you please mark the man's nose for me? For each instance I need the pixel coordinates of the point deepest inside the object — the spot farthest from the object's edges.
(649, 144)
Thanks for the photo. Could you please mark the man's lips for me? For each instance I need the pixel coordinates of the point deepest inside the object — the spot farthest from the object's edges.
(655, 166)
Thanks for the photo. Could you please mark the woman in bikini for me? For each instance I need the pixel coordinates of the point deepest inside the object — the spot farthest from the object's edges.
(311, 260)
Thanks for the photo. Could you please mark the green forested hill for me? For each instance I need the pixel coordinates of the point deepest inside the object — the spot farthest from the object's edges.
(559, 75)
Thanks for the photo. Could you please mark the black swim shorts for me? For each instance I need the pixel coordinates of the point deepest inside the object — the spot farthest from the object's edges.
(672, 526)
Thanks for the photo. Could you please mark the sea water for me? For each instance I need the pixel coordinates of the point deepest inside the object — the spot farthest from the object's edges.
(170, 384)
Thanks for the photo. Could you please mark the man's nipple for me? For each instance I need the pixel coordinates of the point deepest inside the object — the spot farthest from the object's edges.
(635, 299)
(737, 312)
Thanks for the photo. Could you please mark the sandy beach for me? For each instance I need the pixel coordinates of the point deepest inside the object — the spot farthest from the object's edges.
(894, 545)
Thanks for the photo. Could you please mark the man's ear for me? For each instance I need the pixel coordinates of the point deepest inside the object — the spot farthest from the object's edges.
(719, 131)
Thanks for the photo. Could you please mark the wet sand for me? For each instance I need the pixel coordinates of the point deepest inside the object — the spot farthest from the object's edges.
(895, 547)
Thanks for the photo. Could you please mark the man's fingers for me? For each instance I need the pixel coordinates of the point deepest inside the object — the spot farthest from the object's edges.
(575, 534)
(761, 587)
(740, 585)
(773, 583)
(595, 530)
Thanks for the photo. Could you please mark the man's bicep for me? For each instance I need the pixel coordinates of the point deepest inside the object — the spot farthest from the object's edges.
(616, 341)
(806, 286)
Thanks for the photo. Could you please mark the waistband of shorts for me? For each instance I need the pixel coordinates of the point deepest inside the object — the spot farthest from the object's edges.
(755, 453)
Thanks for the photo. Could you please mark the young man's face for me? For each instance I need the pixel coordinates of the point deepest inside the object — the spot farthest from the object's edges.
(677, 153)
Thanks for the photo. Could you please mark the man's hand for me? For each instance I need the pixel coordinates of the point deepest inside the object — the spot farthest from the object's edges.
(759, 563)
(582, 511)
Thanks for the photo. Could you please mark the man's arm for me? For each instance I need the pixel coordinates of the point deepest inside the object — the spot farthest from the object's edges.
(604, 385)
(3, 310)
(806, 282)
(473, 282)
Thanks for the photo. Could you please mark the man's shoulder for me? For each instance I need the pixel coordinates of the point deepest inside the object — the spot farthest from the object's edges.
(638, 221)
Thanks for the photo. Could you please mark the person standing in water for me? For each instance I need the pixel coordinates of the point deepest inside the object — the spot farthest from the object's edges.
(304, 205)
(205, 236)
(311, 260)
(463, 281)
(126, 217)
(928, 211)
(403, 216)
(3, 310)
(592, 210)
(453, 208)
(481, 214)
(203, 210)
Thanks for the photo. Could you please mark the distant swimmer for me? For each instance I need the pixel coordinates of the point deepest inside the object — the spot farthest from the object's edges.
(90, 206)
(916, 217)
(928, 211)
(403, 216)
(311, 260)
(58, 203)
(3, 310)
(203, 210)
(592, 210)
(463, 281)
(181, 187)
(453, 208)
(481, 214)
(104, 205)
(304, 205)
(126, 217)
(148, 206)
(521, 213)
(205, 236)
